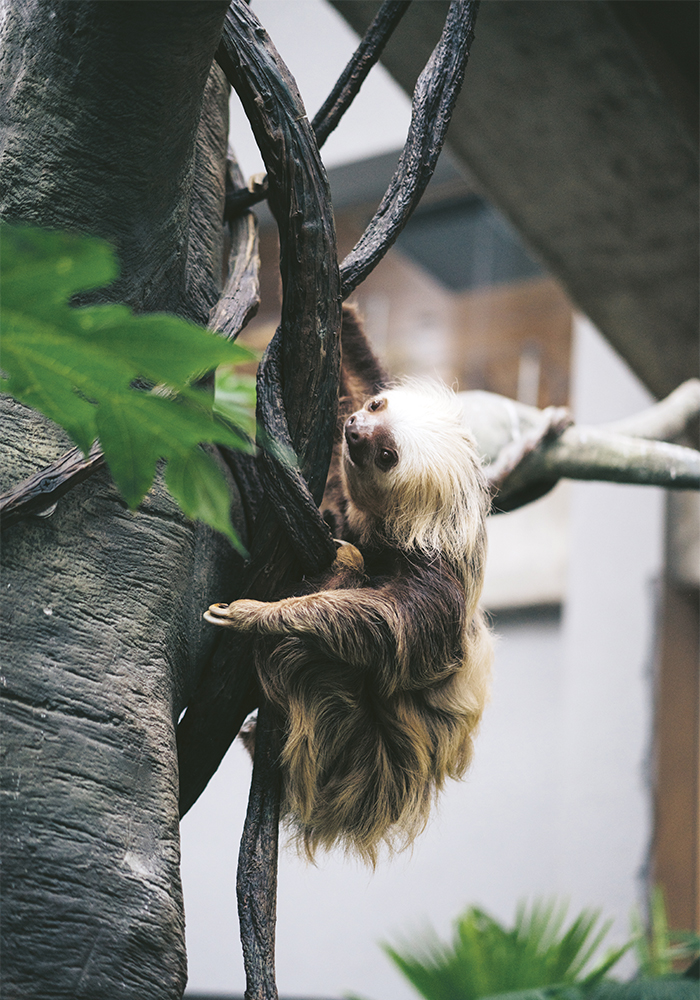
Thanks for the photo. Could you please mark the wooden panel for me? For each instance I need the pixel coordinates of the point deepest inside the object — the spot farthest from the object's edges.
(675, 863)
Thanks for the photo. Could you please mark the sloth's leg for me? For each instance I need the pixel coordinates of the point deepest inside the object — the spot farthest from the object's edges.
(552, 423)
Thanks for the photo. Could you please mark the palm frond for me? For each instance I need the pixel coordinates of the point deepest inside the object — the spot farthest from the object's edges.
(486, 958)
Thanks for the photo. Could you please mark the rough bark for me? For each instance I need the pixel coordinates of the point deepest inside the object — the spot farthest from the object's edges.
(100, 108)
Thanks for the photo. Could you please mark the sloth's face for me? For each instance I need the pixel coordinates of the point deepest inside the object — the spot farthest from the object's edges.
(369, 441)
(370, 452)
(406, 451)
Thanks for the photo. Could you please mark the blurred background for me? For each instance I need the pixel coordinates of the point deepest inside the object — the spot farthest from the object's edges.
(585, 779)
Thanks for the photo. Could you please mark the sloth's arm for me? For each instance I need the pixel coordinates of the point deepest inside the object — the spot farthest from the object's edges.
(409, 631)
(353, 625)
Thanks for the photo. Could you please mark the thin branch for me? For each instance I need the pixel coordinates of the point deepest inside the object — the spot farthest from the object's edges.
(338, 101)
(240, 298)
(434, 98)
(243, 197)
(257, 899)
(355, 73)
(43, 489)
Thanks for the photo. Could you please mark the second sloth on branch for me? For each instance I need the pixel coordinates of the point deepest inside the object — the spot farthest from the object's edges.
(380, 667)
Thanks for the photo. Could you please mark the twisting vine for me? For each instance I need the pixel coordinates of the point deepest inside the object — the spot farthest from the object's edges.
(301, 365)
(338, 101)
(434, 98)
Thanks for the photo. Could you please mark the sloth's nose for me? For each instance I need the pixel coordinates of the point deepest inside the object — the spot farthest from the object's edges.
(357, 437)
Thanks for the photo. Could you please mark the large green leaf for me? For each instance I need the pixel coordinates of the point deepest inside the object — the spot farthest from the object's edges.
(101, 371)
(200, 488)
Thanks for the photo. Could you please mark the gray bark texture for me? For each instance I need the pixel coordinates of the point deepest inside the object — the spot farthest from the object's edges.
(113, 123)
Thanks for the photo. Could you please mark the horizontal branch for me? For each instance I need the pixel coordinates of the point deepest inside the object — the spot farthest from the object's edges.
(589, 453)
(665, 421)
(527, 450)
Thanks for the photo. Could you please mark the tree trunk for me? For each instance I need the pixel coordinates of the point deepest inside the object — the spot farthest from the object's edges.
(101, 109)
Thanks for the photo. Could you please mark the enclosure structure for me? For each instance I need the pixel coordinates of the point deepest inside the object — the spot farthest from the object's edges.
(93, 700)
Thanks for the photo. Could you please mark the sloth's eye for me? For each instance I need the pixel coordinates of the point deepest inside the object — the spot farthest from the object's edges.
(375, 404)
(387, 459)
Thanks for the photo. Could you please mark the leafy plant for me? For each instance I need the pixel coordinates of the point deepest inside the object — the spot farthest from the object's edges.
(102, 372)
(537, 957)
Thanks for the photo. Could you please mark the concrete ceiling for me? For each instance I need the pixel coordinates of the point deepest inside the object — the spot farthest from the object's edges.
(578, 118)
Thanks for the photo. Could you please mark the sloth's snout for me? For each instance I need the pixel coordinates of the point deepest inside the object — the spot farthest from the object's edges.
(358, 435)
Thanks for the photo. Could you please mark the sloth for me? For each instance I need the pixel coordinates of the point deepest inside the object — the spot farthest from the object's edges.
(380, 667)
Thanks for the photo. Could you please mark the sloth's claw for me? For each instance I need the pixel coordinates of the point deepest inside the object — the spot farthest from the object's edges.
(242, 614)
(218, 614)
(348, 557)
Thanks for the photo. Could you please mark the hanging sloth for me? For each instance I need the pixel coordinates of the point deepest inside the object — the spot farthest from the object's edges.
(380, 667)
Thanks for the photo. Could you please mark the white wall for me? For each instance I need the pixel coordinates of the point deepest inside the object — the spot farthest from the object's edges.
(604, 809)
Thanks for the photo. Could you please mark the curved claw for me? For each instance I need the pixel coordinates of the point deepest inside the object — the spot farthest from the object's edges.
(242, 614)
(348, 557)
(212, 619)
(218, 614)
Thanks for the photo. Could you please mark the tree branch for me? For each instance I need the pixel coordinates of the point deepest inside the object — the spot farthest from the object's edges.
(434, 98)
(529, 450)
(355, 73)
(589, 453)
(665, 421)
(240, 298)
(338, 101)
(257, 897)
(42, 490)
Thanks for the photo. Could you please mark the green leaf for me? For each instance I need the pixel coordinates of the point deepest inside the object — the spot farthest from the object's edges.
(199, 486)
(162, 348)
(661, 950)
(41, 269)
(131, 449)
(662, 988)
(234, 398)
(101, 371)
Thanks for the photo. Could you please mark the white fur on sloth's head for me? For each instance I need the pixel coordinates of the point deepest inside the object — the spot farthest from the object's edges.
(433, 497)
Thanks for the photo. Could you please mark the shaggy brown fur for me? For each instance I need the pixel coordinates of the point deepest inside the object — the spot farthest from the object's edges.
(381, 669)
